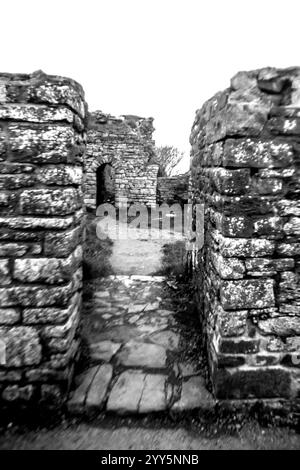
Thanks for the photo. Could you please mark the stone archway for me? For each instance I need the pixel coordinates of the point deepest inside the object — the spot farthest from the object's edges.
(105, 184)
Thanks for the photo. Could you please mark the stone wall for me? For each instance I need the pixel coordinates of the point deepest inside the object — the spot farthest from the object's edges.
(245, 167)
(42, 141)
(126, 143)
(173, 189)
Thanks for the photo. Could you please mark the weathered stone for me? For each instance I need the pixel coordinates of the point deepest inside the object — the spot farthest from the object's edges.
(49, 270)
(266, 264)
(60, 331)
(194, 394)
(47, 374)
(9, 316)
(231, 323)
(281, 125)
(15, 168)
(126, 393)
(4, 272)
(239, 346)
(188, 369)
(247, 294)
(234, 247)
(32, 223)
(35, 113)
(15, 250)
(283, 344)
(153, 396)
(32, 296)
(281, 326)
(135, 354)
(10, 376)
(292, 227)
(62, 244)
(22, 346)
(168, 339)
(231, 181)
(227, 360)
(43, 144)
(14, 393)
(228, 268)
(252, 383)
(64, 175)
(150, 307)
(103, 350)
(98, 388)
(51, 395)
(289, 287)
(136, 308)
(236, 226)
(46, 201)
(287, 207)
(77, 400)
(11, 182)
(257, 154)
(32, 316)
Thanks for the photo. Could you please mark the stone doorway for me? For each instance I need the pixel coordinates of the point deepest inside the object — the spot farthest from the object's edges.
(105, 181)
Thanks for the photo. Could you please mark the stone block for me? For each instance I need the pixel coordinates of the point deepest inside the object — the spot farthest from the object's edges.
(61, 175)
(257, 153)
(50, 202)
(126, 393)
(4, 272)
(22, 346)
(35, 113)
(33, 296)
(269, 264)
(228, 268)
(47, 270)
(272, 382)
(243, 247)
(230, 323)
(281, 326)
(13, 393)
(247, 294)
(231, 182)
(9, 316)
(42, 144)
(238, 346)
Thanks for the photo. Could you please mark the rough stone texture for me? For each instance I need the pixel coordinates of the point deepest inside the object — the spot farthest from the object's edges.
(245, 168)
(126, 393)
(42, 141)
(173, 189)
(136, 354)
(194, 394)
(145, 349)
(153, 397)
(126, 144)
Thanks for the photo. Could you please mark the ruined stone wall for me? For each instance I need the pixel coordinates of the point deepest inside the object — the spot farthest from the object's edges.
(173, 189)
(126, 143)
(41, 151)
(245, 167)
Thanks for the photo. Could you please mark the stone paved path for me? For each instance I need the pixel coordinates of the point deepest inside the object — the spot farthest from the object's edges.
(134, 346)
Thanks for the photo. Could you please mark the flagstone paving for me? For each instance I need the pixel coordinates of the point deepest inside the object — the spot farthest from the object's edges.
(137, 359)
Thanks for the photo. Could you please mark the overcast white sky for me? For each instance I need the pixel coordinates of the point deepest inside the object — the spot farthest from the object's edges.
(159, 58)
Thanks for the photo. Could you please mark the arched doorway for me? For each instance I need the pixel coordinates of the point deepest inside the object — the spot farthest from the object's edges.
(105, 180)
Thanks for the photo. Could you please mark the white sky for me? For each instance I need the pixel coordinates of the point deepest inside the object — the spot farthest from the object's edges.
(159, 58)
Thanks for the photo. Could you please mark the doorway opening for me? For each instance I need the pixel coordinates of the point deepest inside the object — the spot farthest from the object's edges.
(105, 178)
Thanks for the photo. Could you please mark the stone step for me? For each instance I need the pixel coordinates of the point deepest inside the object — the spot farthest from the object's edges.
(137, 392)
